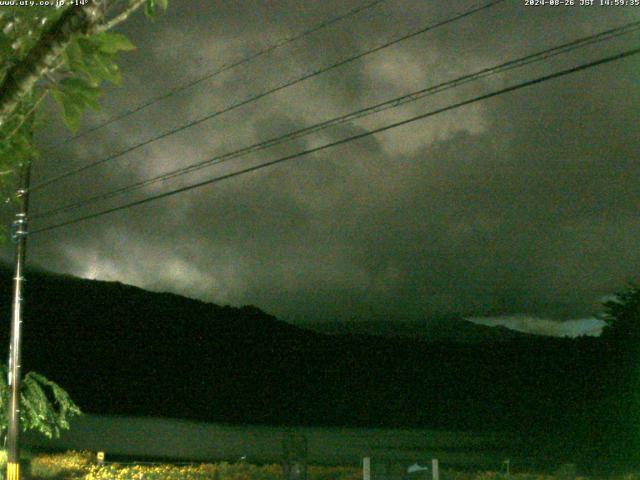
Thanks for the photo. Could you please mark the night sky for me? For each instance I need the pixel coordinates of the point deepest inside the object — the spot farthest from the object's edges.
(522, 205)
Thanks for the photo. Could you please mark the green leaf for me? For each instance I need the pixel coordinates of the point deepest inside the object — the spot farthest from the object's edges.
(97, 57)
(150, 8)
(111, 42)
(82, 93)
(44, 406)
(6, 51)
(163, 4)
(79, 85)
(71, 112)
(108, 70)
(87, 46)
(73, 96)
(99, 67)
(73, 55)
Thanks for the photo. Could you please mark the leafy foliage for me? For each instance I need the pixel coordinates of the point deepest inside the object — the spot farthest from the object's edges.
(44, 406)
(622, 315)
(20, 29)
(151, 7)
(80, 466)
(17, 146)
(75, 82)
(87, 62)
(61, 465)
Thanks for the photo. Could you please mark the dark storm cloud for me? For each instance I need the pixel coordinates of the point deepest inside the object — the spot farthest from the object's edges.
(523, 204)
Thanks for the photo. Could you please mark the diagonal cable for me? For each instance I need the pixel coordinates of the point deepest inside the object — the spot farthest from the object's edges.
(224, 68)
(264, 94)
(528, 83)
(389, 104)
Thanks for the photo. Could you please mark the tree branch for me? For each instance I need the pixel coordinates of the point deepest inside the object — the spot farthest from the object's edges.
(121, 17)
(20, 79)
(24, 117)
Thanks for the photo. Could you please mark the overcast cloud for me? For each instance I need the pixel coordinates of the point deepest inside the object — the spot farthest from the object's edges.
(522, 204)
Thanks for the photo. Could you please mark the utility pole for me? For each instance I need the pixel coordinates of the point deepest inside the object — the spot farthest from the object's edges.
(19, 236)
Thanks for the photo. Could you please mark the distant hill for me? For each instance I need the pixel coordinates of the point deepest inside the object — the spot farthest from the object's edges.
(122, 350)
(449, 329)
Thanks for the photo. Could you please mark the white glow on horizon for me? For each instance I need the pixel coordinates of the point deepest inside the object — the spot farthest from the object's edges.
(591, 326)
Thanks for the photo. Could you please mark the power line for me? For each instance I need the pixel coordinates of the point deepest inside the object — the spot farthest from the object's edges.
(393, 103)
(265, 93)
(224, 68)
(210, 181)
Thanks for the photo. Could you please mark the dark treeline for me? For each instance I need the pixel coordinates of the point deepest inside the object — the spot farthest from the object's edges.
(122, 350)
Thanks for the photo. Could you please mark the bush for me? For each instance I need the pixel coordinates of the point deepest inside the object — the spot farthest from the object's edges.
(60, 465)
(220, 471)
(334, 473)
(3, 464)
(146, 472)
(82, 466)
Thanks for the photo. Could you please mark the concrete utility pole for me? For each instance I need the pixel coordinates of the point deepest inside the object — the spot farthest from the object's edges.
(19, 236)
(366, 468)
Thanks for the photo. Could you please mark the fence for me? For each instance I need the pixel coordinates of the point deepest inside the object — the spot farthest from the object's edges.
(422, 467)
(388, 469)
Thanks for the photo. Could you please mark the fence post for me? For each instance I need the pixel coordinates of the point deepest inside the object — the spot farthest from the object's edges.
(294, 464)
(366, 468)
(434, 469)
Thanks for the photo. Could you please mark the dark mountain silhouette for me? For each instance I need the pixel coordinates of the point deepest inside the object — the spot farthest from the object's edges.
(446, 329)
(122, 350)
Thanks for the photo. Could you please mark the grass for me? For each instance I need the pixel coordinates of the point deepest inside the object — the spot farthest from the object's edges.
(83, 466)
(59, 466)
